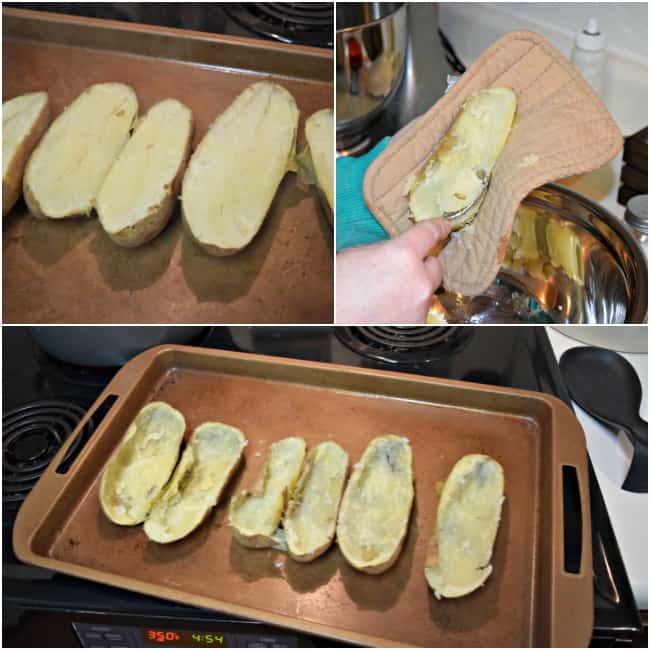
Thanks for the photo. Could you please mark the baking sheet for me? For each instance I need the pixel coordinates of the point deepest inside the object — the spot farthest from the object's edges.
(71, 272)
(529, 599)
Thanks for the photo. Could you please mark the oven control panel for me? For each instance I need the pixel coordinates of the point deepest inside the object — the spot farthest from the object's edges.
(126, 636)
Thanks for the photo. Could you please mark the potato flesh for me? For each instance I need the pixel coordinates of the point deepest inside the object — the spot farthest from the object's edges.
(142, 175)
(377, 502)
(207, 463)
(68, 167)
(19, 115)
(235, 172)
(451, 178)
(143, 464)
(311, 516)
(319, 131)
(466, 525)
(260, 514)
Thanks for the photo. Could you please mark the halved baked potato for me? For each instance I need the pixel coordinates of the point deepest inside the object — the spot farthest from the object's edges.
(310, 520)
(67, 168)
(255, 515)
(138, 195)
(458, 561)
(209, 460)
(137, 472)
(376, 506)
(457, 173)
(319, 153)
(234, 173)
(24, 120)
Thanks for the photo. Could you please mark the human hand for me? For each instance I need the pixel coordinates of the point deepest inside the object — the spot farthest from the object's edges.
(393, 281)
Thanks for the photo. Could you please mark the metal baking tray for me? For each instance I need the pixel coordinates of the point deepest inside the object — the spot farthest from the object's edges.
(530, 599)
(72, 272)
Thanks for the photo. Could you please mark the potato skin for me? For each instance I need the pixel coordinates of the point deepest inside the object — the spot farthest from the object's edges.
(374, 569)
(209, 510)
(297, 498)
(105, 489)
(253, 541)
(154, 223)
(458, 473)
(353, 560)
(13, 181)
(210, 249)
(262, 540)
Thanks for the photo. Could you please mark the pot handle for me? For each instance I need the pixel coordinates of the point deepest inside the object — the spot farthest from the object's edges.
(46, 494)
(571, 592)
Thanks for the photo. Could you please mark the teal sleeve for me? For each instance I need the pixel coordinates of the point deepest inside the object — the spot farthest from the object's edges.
(355, 225)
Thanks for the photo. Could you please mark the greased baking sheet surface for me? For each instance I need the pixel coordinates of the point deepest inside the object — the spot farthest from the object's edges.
(71, 271)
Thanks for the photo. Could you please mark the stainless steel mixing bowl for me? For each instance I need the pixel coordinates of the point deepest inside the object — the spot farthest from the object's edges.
(371, 42)
(568, 261)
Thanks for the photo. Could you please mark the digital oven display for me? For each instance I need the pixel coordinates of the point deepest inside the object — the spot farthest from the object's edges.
(182, 638)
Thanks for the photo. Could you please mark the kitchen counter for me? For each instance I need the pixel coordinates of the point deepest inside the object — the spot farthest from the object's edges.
(609, 454)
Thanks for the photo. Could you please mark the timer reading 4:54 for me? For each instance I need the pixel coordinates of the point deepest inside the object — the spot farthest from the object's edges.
(207, 639)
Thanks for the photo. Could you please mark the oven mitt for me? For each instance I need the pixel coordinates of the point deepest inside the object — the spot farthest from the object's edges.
(355, 225)
(562, 128)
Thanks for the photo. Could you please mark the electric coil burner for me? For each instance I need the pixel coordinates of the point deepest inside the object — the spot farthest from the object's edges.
(411, 345)
(305, 23)
(31, 437)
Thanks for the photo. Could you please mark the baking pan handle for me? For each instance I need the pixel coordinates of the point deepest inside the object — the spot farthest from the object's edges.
(572, 599)
(47, 491)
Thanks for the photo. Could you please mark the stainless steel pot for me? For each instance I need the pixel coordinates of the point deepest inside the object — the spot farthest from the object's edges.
(371, 42)
(568, 261)
(107, 346)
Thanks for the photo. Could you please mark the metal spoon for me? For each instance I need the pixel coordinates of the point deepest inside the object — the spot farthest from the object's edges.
(455, 215)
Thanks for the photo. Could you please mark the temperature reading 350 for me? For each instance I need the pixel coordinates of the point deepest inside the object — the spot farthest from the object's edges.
(163, 636)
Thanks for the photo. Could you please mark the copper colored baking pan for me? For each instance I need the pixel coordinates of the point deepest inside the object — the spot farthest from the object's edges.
(530, 599)
(73, 273)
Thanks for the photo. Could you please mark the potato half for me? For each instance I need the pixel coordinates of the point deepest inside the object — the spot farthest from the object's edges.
(24, 120)
(67, 168)
(310, 521)
(138, 195)
(255, 515)
(454, 176)
(376, 506)
(467, 520)
(142, 464)
(319, 133)
(209, 460)
(234, 173)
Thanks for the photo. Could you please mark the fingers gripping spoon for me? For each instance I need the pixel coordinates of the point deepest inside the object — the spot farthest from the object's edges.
(607, 387)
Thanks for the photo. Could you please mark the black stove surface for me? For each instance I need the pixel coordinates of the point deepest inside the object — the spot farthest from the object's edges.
(303, 23)
(519, 357)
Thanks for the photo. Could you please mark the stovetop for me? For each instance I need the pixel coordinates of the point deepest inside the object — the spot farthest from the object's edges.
(519, 357)
(303, 23)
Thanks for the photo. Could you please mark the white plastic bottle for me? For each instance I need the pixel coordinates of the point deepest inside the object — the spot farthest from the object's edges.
(589, 55)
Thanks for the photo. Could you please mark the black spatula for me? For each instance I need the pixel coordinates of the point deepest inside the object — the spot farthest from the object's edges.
(605, 385)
